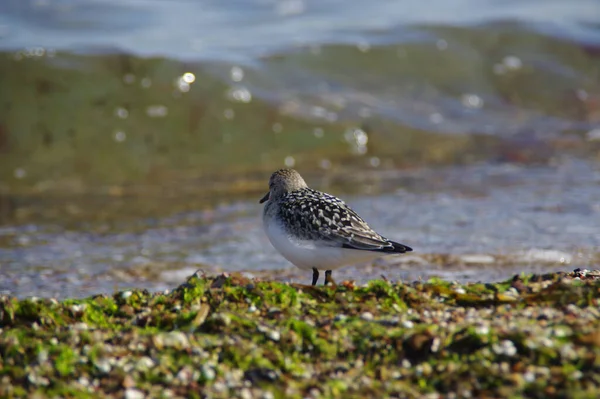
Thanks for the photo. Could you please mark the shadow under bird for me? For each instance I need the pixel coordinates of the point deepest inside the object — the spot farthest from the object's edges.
(317, 231)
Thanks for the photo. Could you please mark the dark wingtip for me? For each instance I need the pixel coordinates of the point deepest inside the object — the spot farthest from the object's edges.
(400, 248)
(392, 247)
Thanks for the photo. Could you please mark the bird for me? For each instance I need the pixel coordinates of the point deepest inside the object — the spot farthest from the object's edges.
(317, 231)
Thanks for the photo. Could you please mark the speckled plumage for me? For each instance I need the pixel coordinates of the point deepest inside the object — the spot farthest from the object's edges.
(316, 230)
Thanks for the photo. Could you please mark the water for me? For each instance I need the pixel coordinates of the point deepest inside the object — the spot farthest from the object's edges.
(541, 221)
(136, 137)
(244, 30)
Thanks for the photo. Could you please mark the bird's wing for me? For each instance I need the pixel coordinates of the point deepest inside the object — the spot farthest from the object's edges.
(354, 232)
(319, 216)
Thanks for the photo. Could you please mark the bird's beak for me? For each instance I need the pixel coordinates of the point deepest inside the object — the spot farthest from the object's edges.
(265, 198)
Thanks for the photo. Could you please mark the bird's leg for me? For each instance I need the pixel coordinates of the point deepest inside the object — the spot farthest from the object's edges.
(315, 276)
(328, 278)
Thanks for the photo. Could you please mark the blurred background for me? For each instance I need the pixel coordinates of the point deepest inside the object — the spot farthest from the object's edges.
(137, 136)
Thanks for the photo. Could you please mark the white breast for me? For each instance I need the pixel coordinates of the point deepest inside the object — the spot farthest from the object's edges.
(308, 254)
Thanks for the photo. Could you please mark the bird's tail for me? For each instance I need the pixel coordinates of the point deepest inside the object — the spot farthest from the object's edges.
(400, 248)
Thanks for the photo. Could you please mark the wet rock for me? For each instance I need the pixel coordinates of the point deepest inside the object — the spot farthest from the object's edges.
(260, 374)
(174, 339)
(459, 338)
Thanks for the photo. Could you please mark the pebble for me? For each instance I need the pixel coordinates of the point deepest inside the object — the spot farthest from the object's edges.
(223, 318)
(505, 347)
(208, 373)
(42, 356)
(80, 326)
(408, 324)
(529, 376)
(219, 386)
(173, 339)
(184, 375)
(245, 393)
(77, 309)
(134, 394)
(35, 379)
(482, 329)
(103, 365)
(274, 335)
(144, 363)
(340, 317)
(367, 316)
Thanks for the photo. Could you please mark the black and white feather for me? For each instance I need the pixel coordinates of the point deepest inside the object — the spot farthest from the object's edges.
(313, 215)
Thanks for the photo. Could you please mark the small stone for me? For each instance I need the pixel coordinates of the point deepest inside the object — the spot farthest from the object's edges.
(408, 324)
(184, 375)
(78, 309)
(84, 381)
(529, 376)
(482, 329)
(274, 335)
(219, 386)
(223, 318)
(134, 394)
(103, 365)
(42, 356)
(145, 363)
(340, 317)
(367, 316)
(435, 345)
(35, 379)
(208, 373)
(505, 347)
(128, 382)
(80, 326)
(245, 393)
(173, 339)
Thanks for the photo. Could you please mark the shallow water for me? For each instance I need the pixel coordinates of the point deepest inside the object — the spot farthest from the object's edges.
(246, 29)
(136, 137)
(497, 222)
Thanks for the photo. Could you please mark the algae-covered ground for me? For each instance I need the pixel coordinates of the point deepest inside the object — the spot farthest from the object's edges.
(229, 336)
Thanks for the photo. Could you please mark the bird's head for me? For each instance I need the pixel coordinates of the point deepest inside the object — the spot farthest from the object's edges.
(282, 182)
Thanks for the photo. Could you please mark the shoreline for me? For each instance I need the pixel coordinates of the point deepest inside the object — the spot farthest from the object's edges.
(231, 336)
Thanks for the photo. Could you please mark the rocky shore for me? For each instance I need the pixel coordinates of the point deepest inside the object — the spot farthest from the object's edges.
(229, 336)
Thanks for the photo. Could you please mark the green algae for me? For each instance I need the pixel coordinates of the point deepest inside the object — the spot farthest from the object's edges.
(216, 336)
(110, 136)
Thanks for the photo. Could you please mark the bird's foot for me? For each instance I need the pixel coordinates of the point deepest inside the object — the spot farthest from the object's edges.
(329, 279)
(316, 275)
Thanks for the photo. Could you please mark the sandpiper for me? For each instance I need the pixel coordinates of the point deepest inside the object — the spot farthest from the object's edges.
(315, 230)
